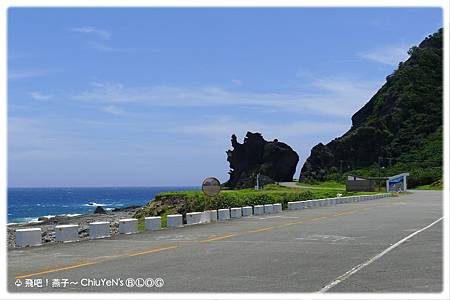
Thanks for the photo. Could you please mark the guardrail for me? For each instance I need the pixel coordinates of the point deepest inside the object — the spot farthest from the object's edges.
(28, 237)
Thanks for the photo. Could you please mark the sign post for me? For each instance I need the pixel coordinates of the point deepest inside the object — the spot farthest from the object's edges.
(211, 187)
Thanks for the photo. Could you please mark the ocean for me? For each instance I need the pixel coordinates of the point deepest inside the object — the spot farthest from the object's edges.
(28, 204)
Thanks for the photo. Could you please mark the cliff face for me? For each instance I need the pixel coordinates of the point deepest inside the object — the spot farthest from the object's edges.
(399, 122)
(273, 160)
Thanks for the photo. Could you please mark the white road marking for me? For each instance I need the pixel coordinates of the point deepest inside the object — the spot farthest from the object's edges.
(327, 238)
(278, 217)
(376, 257)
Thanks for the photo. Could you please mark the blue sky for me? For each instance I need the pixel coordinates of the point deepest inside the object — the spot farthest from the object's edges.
(151, 97)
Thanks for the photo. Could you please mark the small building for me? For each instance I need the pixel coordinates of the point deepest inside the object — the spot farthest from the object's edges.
(397, 183)
(361, 184)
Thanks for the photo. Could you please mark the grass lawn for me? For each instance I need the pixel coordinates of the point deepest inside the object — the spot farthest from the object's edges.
(429, 187)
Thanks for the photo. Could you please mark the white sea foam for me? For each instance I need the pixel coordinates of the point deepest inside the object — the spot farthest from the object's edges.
(94, 204)
(72, 215)
(48, 216)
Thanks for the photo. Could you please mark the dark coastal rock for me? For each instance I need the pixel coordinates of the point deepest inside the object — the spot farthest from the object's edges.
(131, 207)
(321, 158)
(401, 123)
(99, 210)
(274, 161)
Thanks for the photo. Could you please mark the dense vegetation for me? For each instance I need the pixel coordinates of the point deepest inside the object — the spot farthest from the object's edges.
(190, 201)
(398, 130)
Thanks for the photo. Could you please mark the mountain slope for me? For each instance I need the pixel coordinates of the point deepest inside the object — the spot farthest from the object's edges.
(399, 129)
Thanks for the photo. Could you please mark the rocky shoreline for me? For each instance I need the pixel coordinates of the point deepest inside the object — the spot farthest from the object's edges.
(48, 225)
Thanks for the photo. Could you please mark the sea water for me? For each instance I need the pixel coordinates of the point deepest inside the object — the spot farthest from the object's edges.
(28, 204)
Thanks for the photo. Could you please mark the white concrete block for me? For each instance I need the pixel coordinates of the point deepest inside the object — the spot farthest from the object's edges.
(277, 208)
(247, 211)
(66, 233)
(258, 209)
(213, 215)
(292, 205)
(309, 204)
(152, 223)
(205, 217)
(268, 208)
(28, 237)
(193, 218)
(98, 230)
(301, 204)
(223, 214)
(236, 212)
(128, 226)
(174, 221)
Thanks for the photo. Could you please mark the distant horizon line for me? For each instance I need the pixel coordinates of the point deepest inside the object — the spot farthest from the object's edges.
(104, 186)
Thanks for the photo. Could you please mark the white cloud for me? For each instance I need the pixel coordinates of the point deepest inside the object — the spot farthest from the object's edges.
(236, 82)
(114, 110)
(104, 34)
(22, 74)
(390, 55)
(224, 126)
(103, 37)
(331, 96)
(39, 96)
(105, 48)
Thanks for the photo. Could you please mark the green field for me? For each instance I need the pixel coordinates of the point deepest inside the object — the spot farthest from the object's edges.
(430, 187)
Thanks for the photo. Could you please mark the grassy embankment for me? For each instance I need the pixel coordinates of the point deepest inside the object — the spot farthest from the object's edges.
(434, 186)
(183, 202)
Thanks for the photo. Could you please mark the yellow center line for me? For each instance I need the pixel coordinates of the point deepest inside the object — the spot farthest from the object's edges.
(209, 239)
(88, 263)
(259, 230)
(56, 270)
(218, 238)
(152, 251)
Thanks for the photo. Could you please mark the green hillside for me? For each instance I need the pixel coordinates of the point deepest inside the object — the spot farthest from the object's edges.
(398, 130)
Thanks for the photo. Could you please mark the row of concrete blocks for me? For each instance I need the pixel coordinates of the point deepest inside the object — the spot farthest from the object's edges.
(69, 233)
(332, 201)
(239, 212)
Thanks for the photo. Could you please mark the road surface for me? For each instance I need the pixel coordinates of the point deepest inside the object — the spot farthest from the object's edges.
(384, 245)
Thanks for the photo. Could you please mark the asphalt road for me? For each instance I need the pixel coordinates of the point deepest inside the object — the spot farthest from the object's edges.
(301, 251)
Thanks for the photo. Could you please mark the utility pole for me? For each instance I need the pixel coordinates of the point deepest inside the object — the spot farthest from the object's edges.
(390, 161)
(379, 172)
